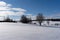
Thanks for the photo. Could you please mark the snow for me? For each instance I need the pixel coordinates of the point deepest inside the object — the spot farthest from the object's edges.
(19, 31)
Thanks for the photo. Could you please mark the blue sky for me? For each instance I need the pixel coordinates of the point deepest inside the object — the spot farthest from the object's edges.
(47, 7)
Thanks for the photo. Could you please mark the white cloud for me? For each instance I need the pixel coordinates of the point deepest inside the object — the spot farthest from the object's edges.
(56, 15)
(6, 9)
(33, 17)
(2, 3)
(9, 5)
(18, 9)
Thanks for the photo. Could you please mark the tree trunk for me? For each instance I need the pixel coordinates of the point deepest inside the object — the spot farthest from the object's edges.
(40, 23)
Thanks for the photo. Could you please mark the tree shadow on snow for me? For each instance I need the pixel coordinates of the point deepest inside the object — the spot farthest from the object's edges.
(51, 26)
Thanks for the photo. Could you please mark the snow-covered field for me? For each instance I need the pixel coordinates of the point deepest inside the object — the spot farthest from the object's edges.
(19, 31)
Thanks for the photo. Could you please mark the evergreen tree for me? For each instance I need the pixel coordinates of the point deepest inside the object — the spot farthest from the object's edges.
(24, 19)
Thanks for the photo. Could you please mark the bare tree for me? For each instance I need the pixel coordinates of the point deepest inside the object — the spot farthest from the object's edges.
(40, 18)
(48, 22)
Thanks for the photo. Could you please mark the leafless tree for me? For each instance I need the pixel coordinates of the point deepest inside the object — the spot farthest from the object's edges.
(40, 18)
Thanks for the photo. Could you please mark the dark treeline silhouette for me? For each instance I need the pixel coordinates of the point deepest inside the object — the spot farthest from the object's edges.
(54, 19)
(49, 20)
(8, 20)
(24, 19)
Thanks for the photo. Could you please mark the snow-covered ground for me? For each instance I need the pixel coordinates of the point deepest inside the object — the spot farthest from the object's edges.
(19, 31)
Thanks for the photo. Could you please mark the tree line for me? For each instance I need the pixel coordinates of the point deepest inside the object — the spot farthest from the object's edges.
(25, 19)
(39, 18)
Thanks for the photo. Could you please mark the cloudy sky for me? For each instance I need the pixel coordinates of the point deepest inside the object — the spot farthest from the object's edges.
(7, 9)
(15, 8)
